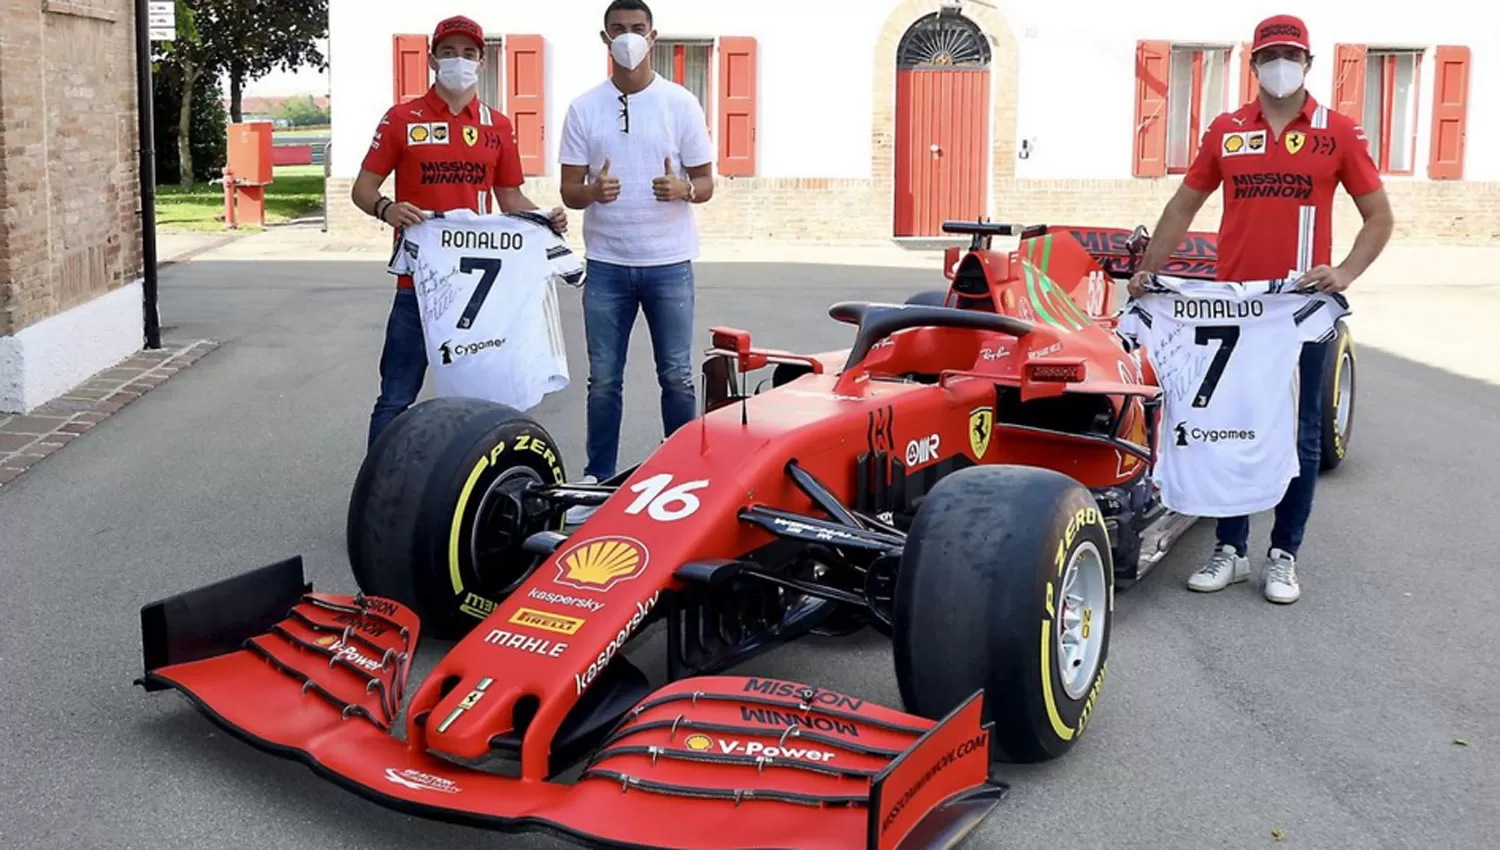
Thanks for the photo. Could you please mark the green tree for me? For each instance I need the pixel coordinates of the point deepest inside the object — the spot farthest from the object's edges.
(184, 60)
(303, 112)
(251, 38)
(243, 38)
(206, 138)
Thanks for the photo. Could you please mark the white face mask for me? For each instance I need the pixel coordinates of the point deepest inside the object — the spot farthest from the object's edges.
(629, 49)
(457, 74)
(1281, 77)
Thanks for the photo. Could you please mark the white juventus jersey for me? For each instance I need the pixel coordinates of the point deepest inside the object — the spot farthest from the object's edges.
(1226, 356)
(485, 289)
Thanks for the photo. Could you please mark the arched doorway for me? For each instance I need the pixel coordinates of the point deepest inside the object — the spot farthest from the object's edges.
(942, 123)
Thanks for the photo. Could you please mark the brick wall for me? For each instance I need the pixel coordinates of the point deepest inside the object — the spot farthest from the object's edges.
(69, 193)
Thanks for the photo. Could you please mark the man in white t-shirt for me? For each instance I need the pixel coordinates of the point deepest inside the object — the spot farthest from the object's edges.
(635, 154)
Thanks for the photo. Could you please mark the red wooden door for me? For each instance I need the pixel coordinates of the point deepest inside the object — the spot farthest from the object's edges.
(526, 99)
(942, 147)
(1450, 112)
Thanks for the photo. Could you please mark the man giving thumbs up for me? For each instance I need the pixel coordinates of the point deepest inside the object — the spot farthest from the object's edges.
(606, 187)
(669, 187)
(622, 143)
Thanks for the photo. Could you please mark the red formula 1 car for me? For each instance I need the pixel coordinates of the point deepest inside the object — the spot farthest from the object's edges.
(970, 478)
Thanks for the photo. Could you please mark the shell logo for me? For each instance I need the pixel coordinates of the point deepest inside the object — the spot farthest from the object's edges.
(601, 563)
(326, 640)
(699, 743)
(1233, 143)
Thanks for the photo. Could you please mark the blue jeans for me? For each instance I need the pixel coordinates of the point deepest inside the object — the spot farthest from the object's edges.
(403, 363)
(1296, 505)
(611, 296)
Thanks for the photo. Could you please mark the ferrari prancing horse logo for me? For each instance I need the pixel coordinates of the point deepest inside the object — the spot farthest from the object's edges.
(1295, 141)
(471, 135)
(981, 425)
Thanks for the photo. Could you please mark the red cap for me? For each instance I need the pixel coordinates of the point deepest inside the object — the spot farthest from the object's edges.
(1281, 30)
(458, 25)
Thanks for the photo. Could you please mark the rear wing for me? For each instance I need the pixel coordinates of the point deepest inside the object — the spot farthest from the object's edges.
(1196, 257)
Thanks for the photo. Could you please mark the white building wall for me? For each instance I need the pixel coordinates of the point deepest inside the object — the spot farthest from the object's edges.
(814, 61)
(1064, 84)
(1075, 104)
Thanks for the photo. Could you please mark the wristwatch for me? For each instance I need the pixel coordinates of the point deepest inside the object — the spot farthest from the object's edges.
(692, 191)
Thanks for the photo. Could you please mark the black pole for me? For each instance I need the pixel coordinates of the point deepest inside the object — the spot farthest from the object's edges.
(147, 131)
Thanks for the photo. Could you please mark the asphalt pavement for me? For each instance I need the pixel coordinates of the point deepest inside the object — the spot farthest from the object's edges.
(1337, 720)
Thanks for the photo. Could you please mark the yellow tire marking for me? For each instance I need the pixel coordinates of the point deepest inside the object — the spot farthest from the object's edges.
(458, 515)
(1061, 729)
(1345, 346)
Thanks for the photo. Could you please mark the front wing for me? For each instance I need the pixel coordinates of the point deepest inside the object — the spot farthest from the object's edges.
(710, 763)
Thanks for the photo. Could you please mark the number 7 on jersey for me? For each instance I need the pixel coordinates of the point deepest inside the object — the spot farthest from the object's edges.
(1227, 336)
(490, 266)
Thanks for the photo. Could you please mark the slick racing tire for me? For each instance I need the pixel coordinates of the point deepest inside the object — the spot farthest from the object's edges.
(1338, 399)
(437, 517)
(1007, 585)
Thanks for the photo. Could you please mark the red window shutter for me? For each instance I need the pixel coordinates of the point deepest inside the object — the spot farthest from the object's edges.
(409, 68)
(1149, 154)
(1450, 113)
(1249, 86)
(737, 91)
(1349, 81)
(526, 98)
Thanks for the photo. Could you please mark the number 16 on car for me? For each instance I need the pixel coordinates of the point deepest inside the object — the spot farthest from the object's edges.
(663, 503)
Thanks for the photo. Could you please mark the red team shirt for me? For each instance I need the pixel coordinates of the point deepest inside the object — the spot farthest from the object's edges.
(445, 161)
(1278, 192)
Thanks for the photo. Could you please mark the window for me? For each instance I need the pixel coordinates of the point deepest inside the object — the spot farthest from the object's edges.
(489, 75)
(690, 65)
(1196, 94)
(1389, 115)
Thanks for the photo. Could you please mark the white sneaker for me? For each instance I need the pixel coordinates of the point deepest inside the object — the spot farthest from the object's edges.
(578, 513)
(1280, 578)
(1226, 567)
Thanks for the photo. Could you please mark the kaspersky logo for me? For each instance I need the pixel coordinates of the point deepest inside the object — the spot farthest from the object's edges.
(586, 677)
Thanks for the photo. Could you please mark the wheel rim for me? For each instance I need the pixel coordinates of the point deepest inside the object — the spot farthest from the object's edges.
(498, 531)
(1342, 407)
(1081, 620)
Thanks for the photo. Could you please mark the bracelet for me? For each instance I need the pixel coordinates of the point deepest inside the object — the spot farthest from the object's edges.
(381, 211)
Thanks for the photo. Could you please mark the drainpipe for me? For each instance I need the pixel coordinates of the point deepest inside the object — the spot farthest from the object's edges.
(147, 133)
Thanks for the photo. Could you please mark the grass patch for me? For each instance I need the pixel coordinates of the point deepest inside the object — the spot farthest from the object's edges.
(295, 191)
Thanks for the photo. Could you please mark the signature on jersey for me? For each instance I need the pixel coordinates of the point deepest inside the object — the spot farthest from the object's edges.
(436, 290)
(1181, 384)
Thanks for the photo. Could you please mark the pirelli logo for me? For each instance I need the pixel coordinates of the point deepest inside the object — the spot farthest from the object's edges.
(546, 621)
